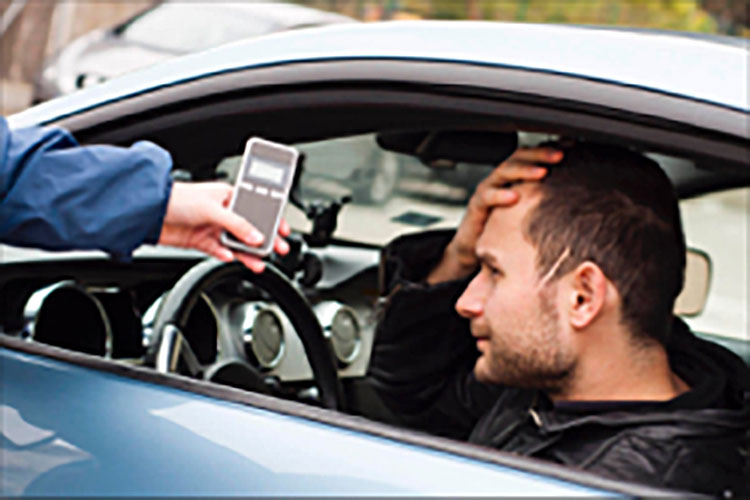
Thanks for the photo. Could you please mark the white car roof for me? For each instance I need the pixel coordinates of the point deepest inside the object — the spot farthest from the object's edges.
(691, 67)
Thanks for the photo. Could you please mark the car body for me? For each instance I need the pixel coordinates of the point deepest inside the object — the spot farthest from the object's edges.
(166, 30)
(120, 421)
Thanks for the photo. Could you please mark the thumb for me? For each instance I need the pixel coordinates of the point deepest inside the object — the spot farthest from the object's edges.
(240, 227)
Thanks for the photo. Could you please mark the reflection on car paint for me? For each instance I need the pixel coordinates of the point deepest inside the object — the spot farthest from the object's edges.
(33, 451)
(276, 438)
(161, 440)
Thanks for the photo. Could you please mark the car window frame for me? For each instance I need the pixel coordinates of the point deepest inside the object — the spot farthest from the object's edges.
(728, 153)
(632, 113)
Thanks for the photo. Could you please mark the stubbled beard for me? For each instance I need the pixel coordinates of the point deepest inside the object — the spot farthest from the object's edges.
(545, 364)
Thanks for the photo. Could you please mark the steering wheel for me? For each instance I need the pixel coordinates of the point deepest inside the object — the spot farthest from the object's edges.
(170, 345)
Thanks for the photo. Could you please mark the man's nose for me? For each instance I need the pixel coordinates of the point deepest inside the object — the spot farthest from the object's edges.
(471, 303)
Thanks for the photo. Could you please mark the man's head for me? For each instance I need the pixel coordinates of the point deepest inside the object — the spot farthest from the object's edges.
(597, 243)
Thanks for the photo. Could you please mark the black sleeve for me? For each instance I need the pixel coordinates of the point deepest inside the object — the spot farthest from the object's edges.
(423, 355)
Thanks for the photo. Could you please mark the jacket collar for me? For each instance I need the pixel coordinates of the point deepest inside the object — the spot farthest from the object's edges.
(718, 402)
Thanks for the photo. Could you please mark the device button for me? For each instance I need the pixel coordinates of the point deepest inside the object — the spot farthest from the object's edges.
(277, 194)
(261, 190)
(247, 185)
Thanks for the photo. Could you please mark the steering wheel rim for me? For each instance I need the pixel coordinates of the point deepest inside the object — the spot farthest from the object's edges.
(174, 313)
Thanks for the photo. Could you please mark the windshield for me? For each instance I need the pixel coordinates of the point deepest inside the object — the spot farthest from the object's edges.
(190, 26)
(391, 194)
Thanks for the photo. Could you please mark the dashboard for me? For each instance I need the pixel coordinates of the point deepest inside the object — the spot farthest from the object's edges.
(88, 303)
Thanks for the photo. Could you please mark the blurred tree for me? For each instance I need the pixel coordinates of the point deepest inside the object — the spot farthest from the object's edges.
(709, 16)
(732, 16)
(446, 9)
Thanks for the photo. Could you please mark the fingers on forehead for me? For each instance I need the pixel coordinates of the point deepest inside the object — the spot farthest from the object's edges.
(492, 197)
(516, 172)
(536, 154)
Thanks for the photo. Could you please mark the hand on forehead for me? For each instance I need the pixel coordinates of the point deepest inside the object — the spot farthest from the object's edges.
(505, 224)
(509, 185)
(528, 198)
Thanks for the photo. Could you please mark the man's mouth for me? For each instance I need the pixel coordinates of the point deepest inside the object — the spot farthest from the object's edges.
(478, 333)
(480, 336)
(483, 345)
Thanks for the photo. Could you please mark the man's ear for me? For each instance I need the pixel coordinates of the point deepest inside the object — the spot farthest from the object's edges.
(588, 292)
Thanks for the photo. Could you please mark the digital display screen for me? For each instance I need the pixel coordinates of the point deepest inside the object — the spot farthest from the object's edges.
(265, 170)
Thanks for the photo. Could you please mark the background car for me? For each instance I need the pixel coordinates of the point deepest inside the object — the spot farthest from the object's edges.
(179, 375)
(166, 30)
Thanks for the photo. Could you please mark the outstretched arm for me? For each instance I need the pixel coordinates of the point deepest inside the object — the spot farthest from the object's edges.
(58, 195)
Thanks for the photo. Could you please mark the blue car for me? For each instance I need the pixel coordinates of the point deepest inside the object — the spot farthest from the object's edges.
(179, 375)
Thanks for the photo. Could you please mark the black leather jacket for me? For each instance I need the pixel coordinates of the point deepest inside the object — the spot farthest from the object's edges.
(422, 363)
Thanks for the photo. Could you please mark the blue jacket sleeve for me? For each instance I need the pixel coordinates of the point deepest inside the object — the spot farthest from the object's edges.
(57, 195)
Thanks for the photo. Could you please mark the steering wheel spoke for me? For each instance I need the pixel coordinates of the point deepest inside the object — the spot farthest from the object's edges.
(232, 366)
(173, 347)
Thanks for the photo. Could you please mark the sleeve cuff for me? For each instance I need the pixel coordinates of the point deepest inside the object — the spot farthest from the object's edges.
(410, 258)
(152, 237)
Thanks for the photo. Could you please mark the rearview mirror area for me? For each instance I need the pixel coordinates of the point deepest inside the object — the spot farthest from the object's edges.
(445, 148)
(692, 299)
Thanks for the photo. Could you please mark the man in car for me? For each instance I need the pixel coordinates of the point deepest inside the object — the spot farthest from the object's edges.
(57, 195)
(543, 326)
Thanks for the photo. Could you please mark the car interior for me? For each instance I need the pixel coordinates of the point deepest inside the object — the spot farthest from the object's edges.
(303, 330)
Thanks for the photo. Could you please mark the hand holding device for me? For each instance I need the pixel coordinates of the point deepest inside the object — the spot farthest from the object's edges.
(198, 213)
(261, 191)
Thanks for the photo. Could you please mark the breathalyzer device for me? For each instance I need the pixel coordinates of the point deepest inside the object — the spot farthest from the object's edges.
(261, 190)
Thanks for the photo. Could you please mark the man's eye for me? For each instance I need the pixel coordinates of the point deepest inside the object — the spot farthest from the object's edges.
(493, 271)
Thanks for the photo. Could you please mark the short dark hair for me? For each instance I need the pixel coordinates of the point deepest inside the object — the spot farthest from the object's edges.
(616, 208)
